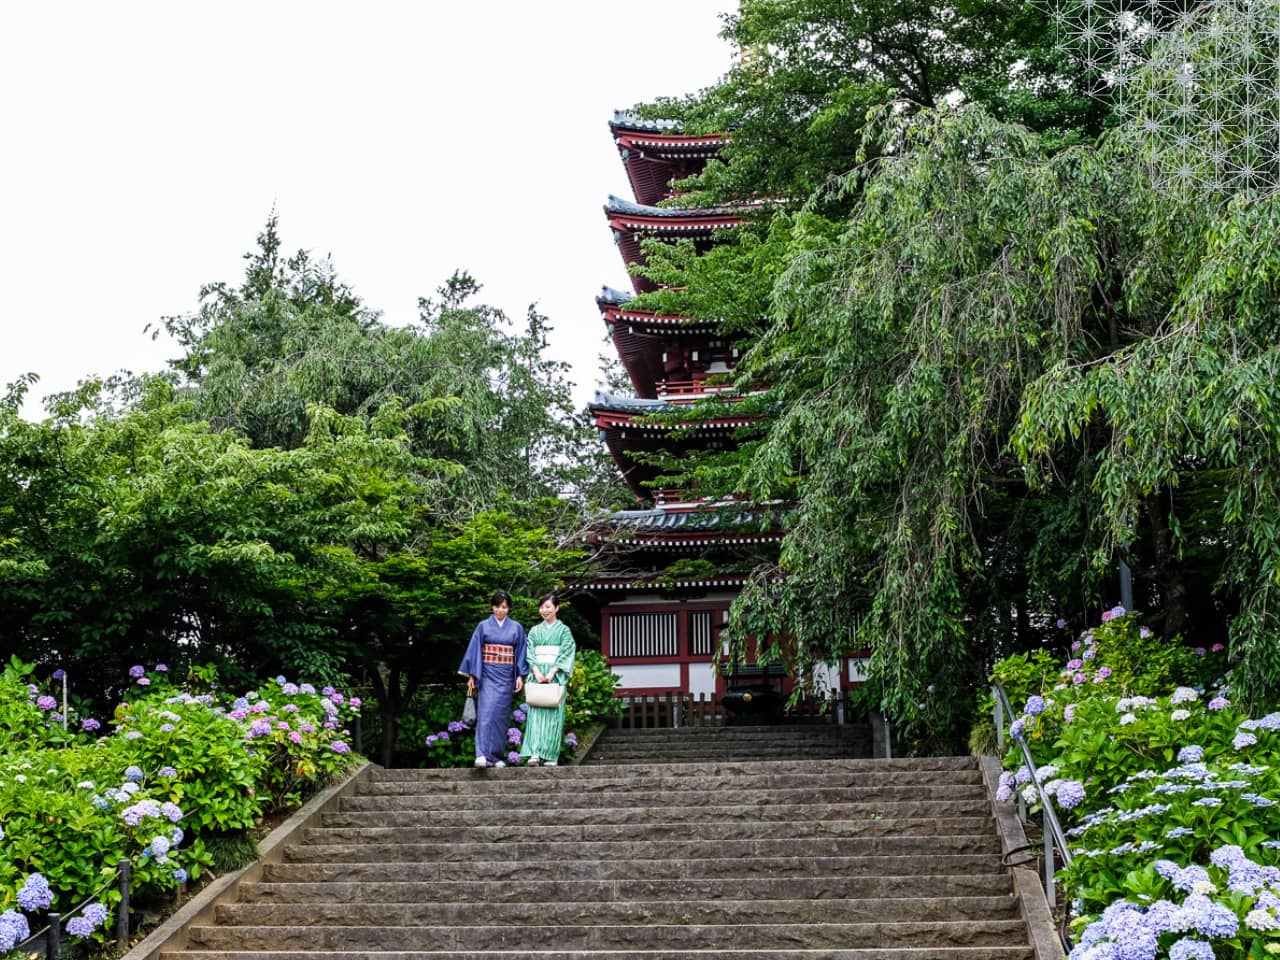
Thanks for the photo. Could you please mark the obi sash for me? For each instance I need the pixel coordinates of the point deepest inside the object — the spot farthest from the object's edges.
(546, 652)
(498, 653)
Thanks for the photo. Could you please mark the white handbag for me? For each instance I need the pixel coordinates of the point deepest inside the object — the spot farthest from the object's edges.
(544, 694)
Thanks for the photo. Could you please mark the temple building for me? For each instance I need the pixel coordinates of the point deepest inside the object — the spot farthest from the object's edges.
(673, 565)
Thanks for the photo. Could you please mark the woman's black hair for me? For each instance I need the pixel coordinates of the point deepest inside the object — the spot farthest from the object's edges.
(549, 596)
(500, 597)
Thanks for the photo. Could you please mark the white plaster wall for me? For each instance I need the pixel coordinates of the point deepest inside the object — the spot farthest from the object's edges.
(702, 679)
(635, 676)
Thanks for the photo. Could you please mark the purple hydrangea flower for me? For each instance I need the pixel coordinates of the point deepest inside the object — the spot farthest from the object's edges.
(167, 772)
(1188, 949)
(1060, 624)
(1242, 740)
(1103, 674)
(327, 691)
(95, 913)
(79, 927)
(1035, 706)
(355, 703)
(13, 929)
(159, 846)
(1018, 728)
(137, 670)
(289, 689)
(89, 725)
(161, 668)
(1144, 632)
(1219, 703)
(339, 746)
(1217, 648)
(46, 703)
(513, 758)
(35, 894)
(1075, 664)
(144, 681)
(1069, 712)
(295, 736)
(444, 736)
(431, 739)
(171, 811)
(59, 674)
(513, 736)
(337, 698)
(1070, 794)
(306, 688)
(1078, 679)
(572, 739)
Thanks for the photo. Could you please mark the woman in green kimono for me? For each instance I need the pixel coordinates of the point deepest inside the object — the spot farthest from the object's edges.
(550, 652)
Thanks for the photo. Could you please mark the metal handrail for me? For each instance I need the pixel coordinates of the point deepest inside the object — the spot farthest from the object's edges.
(1053, 833)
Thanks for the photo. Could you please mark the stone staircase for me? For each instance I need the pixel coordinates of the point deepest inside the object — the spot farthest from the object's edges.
(814, 741)
(835, 859)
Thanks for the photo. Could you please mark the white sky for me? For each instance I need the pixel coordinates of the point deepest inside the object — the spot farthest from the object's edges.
(145, 143)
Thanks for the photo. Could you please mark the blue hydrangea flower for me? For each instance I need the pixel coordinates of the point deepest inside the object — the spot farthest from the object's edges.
(1188, 949)
(180, 875)
(1035, 706)
(13, 929)
(35, 894)
(133, 773)
(137, 670)
(1070, 794)
(79, 927)
(1191, 754)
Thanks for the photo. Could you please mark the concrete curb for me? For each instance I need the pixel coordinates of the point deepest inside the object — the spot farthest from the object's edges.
(172, 934)
(1032, 902)
(589, 740)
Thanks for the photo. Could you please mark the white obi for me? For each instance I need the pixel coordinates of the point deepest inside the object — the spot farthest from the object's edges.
(546, 652)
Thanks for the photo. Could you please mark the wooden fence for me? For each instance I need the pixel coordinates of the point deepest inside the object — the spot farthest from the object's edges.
(677, 709)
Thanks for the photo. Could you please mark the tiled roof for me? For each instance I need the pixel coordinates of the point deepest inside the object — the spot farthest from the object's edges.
(629, 121)
(686, 521)
(612, 295)
(616, 403)
(627, 207)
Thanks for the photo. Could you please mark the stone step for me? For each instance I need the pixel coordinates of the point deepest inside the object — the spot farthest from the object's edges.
(663, 848)
(717, 767)
(638, 823)
(717, 866)
(961, 797)
(578, 891)
(821, 953)
(606, 754)
(502, 936)
(648, 912)
(562, 780)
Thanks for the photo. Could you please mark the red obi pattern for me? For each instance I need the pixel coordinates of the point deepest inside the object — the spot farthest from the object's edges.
(498, 653)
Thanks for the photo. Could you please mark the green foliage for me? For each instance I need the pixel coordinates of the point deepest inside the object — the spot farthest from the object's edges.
(179, 769)
(1160, 785)
(589, 698)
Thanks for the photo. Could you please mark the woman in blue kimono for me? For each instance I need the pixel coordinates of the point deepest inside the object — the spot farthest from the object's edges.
(494, 664)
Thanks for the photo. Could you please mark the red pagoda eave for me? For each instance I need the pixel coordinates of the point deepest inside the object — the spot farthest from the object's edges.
(675, 226)
(696, 539)
(609, 420)
(642, 319)
(646, 583)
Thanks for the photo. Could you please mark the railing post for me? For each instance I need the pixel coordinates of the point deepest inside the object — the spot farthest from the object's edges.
(999, 718)
(122, 911)
(1048, 869)
(359, 735)
(888, 738)
(54, 936)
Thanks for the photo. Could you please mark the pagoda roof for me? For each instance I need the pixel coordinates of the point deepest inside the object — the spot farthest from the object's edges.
(726, 525)
(630, 221)
(626, 120)
(616, 205)
(612, 411)
(651, 582)
(614, 296)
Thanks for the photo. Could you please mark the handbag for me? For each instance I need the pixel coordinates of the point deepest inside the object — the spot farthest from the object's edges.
(543, 694)
(469, 711)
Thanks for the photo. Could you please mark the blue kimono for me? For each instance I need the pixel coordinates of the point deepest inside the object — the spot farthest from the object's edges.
(495, 657)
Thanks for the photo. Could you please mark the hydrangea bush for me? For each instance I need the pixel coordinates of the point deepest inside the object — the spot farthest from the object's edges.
(1170, 799)
(175, 767)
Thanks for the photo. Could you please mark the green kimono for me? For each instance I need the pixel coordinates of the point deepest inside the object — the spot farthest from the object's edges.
(549, 646)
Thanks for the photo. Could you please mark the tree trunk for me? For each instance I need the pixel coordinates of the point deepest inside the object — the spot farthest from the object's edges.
(388, 693)
(1173, 586)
